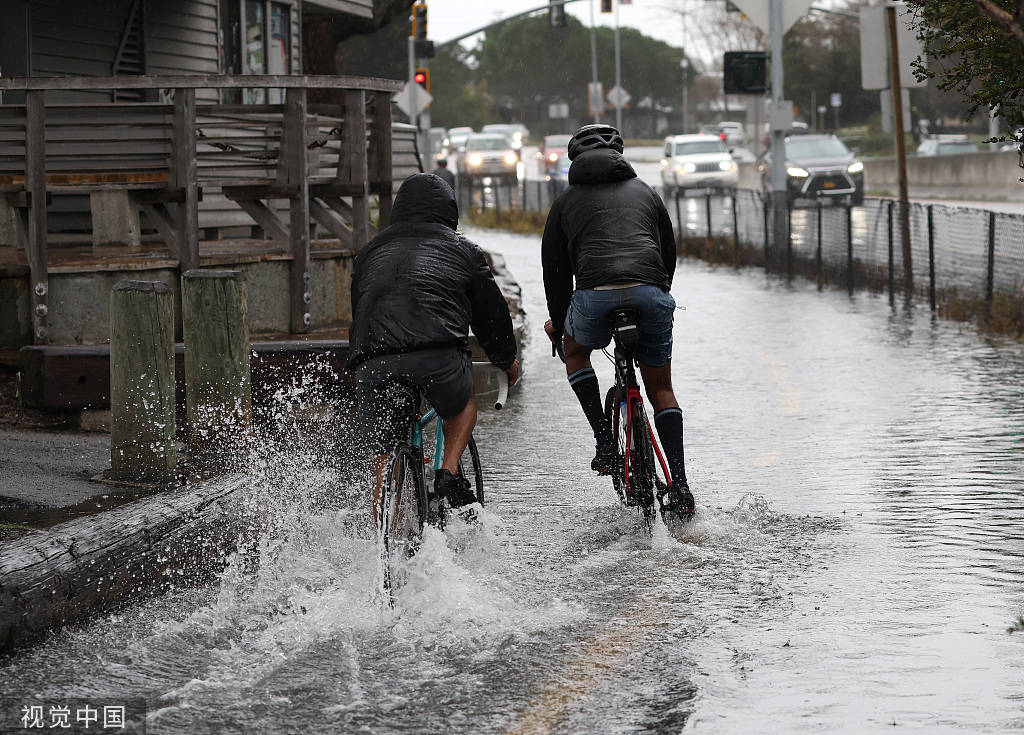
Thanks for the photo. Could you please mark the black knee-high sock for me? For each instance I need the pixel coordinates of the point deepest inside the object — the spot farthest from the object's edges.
(584, 385)
(670, 430)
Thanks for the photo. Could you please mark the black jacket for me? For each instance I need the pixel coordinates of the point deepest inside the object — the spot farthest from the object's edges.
(419, 285)
(608, 227)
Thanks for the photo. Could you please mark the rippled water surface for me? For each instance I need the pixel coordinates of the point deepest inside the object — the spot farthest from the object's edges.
(855, 563)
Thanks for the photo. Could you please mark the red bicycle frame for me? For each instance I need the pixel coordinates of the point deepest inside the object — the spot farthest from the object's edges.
(633, 399)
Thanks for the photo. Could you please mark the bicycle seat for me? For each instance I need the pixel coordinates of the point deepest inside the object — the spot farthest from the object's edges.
(625, 330)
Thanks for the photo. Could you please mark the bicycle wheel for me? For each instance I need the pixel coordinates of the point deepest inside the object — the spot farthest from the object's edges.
(616, 421)
(403, 510)
(472, 470)
(643, 470)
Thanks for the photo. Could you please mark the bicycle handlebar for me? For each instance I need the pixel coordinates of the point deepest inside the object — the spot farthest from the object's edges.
(502, 377)
(502, 390)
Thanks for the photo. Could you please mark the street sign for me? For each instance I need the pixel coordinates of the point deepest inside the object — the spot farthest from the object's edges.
(595, 98)
(758, 11)
(558, 110)
(887, 123)
(423, 100)
(745, 72)
(835, 100)
(618, 97)
(875, 72)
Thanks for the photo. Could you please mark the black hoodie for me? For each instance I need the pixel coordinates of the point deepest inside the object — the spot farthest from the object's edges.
(608, 227)
(419, 285)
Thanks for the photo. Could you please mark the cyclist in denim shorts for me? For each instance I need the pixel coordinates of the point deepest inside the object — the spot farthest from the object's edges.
(611, 233)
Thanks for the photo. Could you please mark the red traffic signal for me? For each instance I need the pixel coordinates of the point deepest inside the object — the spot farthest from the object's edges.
(422, 77)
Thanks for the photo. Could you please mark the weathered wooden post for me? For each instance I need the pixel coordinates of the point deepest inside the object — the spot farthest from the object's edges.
(142, 445)
(215, 327)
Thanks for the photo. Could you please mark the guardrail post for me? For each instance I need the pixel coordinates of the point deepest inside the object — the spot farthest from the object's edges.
(849, 248)
(295, 172)
(817, 250)
(35, 186)
(496, 187)
(892, 276)
(707, 212)
(679, 218)
(142, 444)
(184, 175)
(789, 239)
(218, 393)
(735, 229)
(764, 210)
(990, 280)
(931, 257)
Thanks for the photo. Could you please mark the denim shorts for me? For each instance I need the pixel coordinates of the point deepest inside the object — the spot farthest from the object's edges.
(589, 319)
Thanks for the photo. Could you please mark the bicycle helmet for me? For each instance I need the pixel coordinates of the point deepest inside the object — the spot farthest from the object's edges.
(591, 137)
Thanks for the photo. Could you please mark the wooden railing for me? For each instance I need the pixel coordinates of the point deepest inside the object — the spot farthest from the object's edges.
(326, 160)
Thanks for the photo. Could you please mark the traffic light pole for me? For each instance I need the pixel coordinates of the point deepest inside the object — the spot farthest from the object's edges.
(593, 63)
(780, 220)
(412, 84)
(618, 71)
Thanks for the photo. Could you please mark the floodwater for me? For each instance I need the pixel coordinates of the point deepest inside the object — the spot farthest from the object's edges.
(854, 566)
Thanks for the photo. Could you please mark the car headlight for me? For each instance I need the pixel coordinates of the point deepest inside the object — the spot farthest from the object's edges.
(664, 163)
(510, 158)
(797, 173)
(855, 168)
(475, 159)
(726, 165)
(552, 157)
(689, 168)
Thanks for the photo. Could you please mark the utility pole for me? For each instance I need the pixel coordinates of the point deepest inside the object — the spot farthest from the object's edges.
(780, 220)
(618, 71)
(412, 83)
(901, 153)
(593, 62)
(684, 64)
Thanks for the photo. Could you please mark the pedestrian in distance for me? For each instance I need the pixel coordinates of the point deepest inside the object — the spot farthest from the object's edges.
(444, 173)
(417, 288)
(609, 245)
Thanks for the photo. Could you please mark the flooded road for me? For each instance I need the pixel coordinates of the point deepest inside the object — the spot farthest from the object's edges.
(856, 560)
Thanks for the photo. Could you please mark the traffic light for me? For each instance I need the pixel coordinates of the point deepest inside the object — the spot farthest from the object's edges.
(745, 72)
(422, 77)
(419, 21)
(606, 6)
(556, 15)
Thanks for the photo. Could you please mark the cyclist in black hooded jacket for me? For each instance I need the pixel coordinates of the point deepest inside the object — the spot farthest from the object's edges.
(417, 288)
(611, 233)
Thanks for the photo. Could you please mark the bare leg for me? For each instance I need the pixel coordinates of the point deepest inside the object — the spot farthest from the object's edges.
(576, 357)
(658, 382)
(457, 431)
(381, 464)
(669, 421)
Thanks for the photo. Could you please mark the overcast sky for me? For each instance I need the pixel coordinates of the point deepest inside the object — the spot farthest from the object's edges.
(451, 18)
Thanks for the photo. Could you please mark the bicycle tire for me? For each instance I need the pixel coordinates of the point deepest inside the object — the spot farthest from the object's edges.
(403, 508)
(646, 473)
(476, 478)
(611, 415)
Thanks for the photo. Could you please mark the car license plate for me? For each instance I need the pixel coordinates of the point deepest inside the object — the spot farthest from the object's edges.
(830, 185)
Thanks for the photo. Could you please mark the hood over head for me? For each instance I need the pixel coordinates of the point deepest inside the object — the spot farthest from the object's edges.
(600, 166)
(426, 198)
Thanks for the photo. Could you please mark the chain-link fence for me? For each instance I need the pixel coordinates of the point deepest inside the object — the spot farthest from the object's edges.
(961, 251)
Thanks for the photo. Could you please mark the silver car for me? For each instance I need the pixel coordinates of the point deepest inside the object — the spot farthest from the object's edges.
(489, 155)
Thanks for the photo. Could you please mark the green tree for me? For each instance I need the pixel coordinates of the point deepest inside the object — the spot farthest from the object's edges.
(976, 49)
(822, 56)
(527, 65)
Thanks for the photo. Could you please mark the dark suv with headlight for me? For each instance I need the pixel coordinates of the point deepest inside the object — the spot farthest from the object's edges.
(818, 167)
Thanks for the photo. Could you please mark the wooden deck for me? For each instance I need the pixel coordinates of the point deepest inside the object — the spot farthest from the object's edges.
(290, 170)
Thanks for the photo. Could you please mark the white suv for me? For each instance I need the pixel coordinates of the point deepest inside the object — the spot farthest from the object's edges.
(697, 162)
